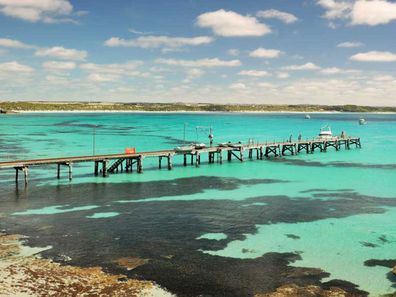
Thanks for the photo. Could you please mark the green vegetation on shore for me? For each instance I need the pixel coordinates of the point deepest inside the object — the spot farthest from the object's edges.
(9, 107)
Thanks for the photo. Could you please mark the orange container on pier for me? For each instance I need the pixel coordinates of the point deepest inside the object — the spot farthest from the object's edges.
(130, 150)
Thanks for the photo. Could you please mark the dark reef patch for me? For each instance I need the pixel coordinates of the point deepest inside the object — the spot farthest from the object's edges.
(368, 244)
(300, 162)
(389, 263)
(165, 232)
(292, 236)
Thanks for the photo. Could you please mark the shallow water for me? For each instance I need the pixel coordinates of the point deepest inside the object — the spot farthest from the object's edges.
(331, 211)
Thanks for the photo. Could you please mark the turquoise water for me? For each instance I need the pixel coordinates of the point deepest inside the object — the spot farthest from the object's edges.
(337, 208)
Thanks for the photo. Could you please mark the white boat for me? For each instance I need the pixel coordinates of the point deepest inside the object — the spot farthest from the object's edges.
(325, 132)
(307, 117)
(184, 149)
(198, 146)
(362, 121)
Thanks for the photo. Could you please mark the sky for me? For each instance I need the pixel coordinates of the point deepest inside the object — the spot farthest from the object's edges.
(223, 51)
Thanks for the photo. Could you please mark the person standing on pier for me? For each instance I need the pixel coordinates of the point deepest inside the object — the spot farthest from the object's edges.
(299, 137)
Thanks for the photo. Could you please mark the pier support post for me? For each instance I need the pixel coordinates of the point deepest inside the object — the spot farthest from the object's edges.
(192, 159)
(159, 162)
(96, 168)
(221, 157)
(25, 171)
(170, 163)
(104, 168)
(140, 164)
(70, 165)
(261, 153)
(197, 159)
(184, 159)
(229, 154)
(241, 154)
(58, 171)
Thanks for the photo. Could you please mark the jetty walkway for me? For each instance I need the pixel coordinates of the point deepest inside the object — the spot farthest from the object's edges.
(114, 163)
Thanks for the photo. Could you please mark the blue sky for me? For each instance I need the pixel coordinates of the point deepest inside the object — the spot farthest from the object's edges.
(284, 51)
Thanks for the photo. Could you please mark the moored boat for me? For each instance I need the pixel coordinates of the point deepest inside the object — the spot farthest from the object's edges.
(325, 132)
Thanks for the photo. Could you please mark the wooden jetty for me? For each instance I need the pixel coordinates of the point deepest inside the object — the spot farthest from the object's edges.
(114, 163)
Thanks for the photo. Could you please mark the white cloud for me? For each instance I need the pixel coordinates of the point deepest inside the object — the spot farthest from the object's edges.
(108, 72)
(61, 53)
(233, 52)
(335, 70)
(265, 53)
(350, 44)
(384, 78)
(12, 43)
(47, 11)
(215, 62)
(306, 66)
(374, 56)
(137, 32)
(55, 66)
(285, 17)
(100, 77)
(238, 86)
(159, 41)
(374, 12)
(193, 73)
(254, 73)
(336, 9)
(283, 75)
(360, 12)
(15, 68)
(229, 23)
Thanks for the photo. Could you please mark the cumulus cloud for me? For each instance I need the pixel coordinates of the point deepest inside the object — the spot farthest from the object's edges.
(100, 77)
(254, 73)
(374, 12)
(306, 66)
(168, 43)
(335, 70)
(229, 23)
(15, 68)
(215, 62)
(285, 17)
(128, 68)
(12, 43)
(283, 75)
(47, 11)
(360, 12)
(336, 9)
(62, 53)
(350, 44)
(238, 86)
(192, 74)
(55, 66)
(265, 53)
(374, 56)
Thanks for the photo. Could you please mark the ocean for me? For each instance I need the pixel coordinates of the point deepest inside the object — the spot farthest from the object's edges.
(231, 229)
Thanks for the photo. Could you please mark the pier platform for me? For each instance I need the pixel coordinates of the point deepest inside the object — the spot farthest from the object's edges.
(115, 163)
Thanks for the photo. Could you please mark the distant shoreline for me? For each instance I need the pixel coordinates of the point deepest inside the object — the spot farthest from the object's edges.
(106, 107)
(195, 112)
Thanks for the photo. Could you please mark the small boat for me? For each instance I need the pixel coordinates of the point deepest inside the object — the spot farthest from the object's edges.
(236, 144)
(198, 146)
(307, 117)
(325, 132)
(224, 144)
(184, 149)
(362, 121)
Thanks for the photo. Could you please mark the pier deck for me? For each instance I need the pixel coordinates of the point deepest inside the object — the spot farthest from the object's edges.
(235, 150)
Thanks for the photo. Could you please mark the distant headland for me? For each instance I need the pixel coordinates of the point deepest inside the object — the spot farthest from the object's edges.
(42, 106)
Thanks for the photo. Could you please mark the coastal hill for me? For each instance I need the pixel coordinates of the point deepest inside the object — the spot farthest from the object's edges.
(12, 107)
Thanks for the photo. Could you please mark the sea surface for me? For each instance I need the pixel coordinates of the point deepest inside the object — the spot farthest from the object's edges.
(235, 229)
